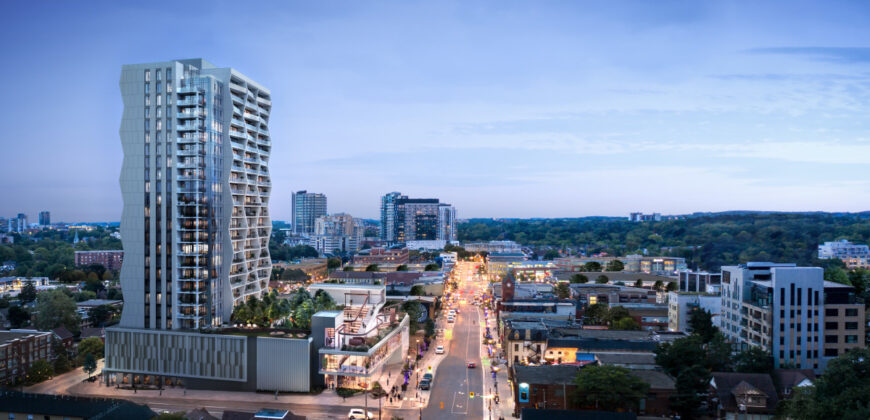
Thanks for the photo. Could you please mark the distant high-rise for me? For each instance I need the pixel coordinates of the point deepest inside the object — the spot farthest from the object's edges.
(196, 185)
(406, 219)
(44, 218)
(22, 222)
(389, 215)
(307, 207)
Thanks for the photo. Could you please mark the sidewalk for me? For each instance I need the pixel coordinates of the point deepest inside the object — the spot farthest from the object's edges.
(496, 385)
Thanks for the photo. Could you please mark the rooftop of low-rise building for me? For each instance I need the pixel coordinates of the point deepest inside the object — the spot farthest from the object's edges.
(727, 384)
(547, 374)
(655, 378)
(70, 406)
(12, 335)
(626, 358)
(98, 302)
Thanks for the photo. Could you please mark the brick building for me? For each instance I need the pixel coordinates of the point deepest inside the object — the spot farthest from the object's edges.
(110, 259)
(19, 349)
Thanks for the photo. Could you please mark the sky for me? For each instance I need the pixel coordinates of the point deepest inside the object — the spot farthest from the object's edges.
(501, 108)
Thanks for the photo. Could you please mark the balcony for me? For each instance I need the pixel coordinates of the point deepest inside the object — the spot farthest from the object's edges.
(186, 90)
(191, 101)
(191, 114)
(190, 127)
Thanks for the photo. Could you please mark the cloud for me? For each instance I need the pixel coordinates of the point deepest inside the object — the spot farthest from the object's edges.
(845, 55)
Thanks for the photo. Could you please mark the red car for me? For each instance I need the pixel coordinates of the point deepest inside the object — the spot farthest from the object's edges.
(471, 365)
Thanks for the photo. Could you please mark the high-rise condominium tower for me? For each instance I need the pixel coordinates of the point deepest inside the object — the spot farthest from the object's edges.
(44, 218)
(406, 219)
(196, 186)
(307, 207)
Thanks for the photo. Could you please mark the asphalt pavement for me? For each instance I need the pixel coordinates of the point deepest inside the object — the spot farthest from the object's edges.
(450, 397)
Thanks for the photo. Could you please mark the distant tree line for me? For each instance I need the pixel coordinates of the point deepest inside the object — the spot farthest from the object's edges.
(706, 241)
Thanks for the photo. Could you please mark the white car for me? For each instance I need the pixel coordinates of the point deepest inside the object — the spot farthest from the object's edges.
(450, 319)
(439, 350)
(358, 413)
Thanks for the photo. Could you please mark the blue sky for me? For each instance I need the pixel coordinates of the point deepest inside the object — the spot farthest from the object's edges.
(503, 108)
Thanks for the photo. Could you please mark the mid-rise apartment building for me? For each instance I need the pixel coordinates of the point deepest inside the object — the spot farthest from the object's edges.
(784, 309)
(406, 219)
(854, 255)
(307, 207)
(111, 259)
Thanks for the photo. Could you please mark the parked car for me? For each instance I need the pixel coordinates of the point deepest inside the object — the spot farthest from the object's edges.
(428, 377)
(439, 350)
(425, 384)
(472, 365)
(359, 413)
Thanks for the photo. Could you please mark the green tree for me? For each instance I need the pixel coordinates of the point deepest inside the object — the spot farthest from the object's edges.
(671, 287)
(333, 263)
(672, 357)
(303, 314)
(551, 254)
(837, 275)
(91, 345)
(563, 291)
(402, 267)
(625, 324)
(89, 365)
(54, 309)
(753, 360)
(323, 301)
(842, 392)
(615, 265)
(372, 268)
(701, 324)
(691, 389)
(579, 278)
(100, 315)
(62, 364)
(602, 279)
(39, 371)
(28, 293)
(432, 267)
(592, 266)
(418, 290)
(415, 312)
(609, 388)
(429, 327)
(18, 316)
(347, 268)
(638, 283)
(597, 314)
(618, 312)
(659, 285)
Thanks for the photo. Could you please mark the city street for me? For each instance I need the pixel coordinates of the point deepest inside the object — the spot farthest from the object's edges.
(450, 397)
